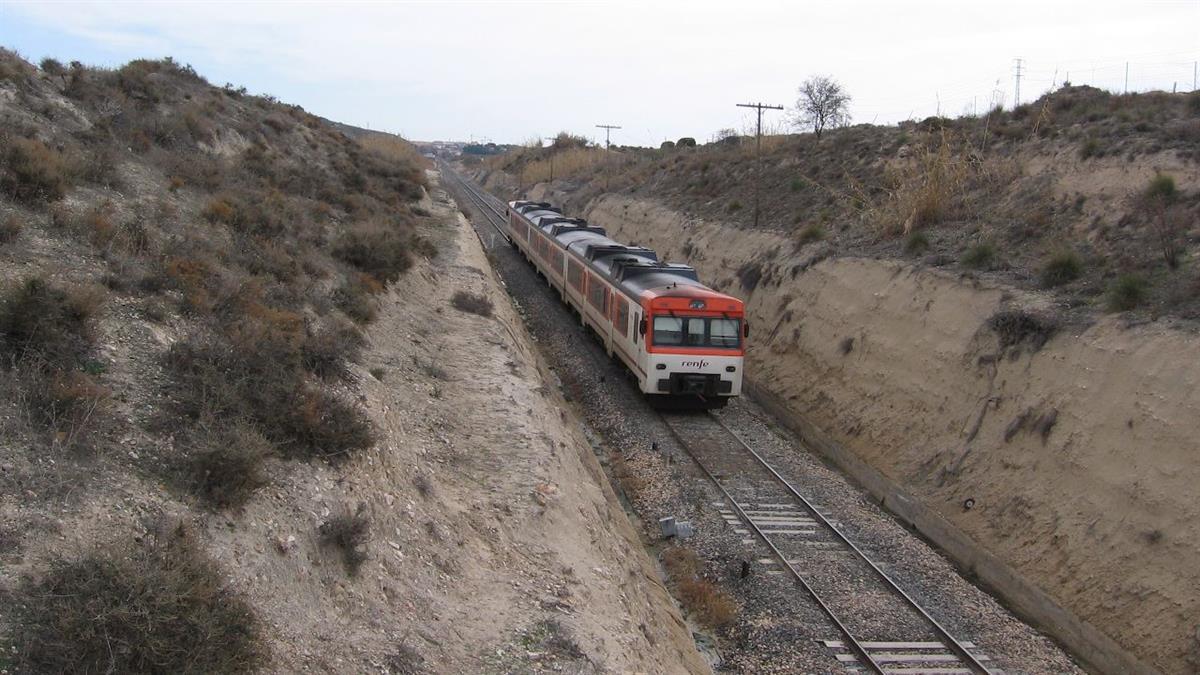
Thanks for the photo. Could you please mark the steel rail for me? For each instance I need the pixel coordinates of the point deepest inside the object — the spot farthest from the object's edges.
(854, 643)
(952, 643)
(479, 200)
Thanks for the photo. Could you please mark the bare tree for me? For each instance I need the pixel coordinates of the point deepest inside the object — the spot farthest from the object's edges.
(822, 104)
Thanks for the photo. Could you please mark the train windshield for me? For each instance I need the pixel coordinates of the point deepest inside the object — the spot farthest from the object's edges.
(697, 331)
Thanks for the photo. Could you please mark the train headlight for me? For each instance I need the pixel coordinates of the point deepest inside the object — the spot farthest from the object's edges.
(661, 366)
(730, 369)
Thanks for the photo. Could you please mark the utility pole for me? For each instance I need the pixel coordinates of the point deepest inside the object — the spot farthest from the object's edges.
(1126, 77)
(759, 108)
(607, 130)
(1194, 75)
(1017, 97)
(607, 148)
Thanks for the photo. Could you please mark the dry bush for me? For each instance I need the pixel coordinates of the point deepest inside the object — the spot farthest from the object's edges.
(1061, 268)
(1127, 293)
(472, 303)
(227, 463)
(980, 256)
(68, 403)
(1014, 327)
(33, 172)
(681, 562)
(356, 298)
(45, 324)
(215, 379)
(162, 607)
(374, 248)
(10, 229)
(629, 480)
(330, 346)
(711, 605)
(350, 532)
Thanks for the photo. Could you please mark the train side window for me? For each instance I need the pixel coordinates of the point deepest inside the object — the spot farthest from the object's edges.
(622, 316)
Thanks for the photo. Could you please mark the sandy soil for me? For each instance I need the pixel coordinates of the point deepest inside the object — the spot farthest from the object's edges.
(496, 543)
(1080, 456)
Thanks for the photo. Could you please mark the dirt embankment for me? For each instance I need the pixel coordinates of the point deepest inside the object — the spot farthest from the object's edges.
(264, 407)
(1068, 454)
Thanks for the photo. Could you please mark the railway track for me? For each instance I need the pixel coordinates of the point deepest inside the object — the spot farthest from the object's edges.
(882, 628)
(496, 216)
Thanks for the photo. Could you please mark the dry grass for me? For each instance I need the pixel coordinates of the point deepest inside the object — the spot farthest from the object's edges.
(707, 602)
(563, 164)
(158, 608)
(394, 148)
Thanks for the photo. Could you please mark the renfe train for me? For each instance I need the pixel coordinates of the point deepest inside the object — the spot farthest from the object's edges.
(683, 341)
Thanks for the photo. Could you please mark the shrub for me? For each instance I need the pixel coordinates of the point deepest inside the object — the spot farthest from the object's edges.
(356, 299)
(46, 324)
(796, 185)
(1089, 148)
(686, 142)
(980, 256)
(377, 249)
(667, 145)
(472, 303)
(34, 172)
(330, 346)
(1014, 327)
(810, 234)
(707, 602)
(734, 206)
(1061, 268)
(65, 402)
(1162, 188)
(228, 465)
(349, 532)
(262, 380)
(162, 607)
(1193, 103)
(10, 229)
(1126, 293)
(710, 604)
(916, 243)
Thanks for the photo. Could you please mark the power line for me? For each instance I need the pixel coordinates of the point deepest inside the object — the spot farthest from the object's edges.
(759, 108)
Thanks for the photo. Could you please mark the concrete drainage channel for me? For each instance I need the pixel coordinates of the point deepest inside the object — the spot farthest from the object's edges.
(779, 627)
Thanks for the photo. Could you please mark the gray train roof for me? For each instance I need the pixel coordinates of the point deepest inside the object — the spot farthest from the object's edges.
(633, 269)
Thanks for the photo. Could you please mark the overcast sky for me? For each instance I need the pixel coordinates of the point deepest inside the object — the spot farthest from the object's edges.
(511, 71)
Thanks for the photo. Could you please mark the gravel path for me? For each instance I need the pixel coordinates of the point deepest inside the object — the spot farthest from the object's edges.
(779, 629)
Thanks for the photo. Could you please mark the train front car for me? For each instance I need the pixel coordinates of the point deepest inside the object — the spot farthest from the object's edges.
(695, 346)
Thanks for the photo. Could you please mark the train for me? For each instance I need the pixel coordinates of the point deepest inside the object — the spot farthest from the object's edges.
(684, 342)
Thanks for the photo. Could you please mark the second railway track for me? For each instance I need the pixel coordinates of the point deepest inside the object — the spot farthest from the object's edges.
(883, 628)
